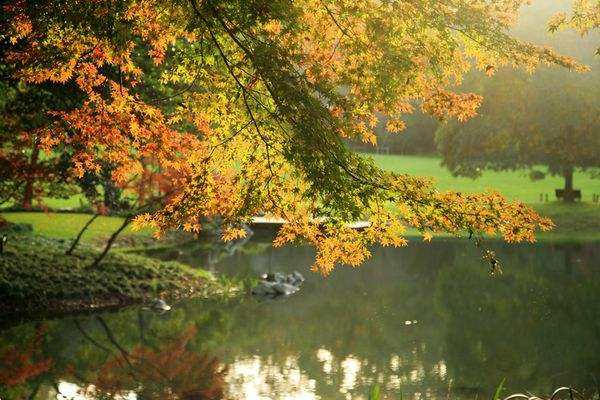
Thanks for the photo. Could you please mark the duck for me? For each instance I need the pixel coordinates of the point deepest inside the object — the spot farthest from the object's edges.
(278, 284)
(160, 305)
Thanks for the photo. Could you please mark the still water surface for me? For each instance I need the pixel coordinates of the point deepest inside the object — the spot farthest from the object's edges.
(424, 322)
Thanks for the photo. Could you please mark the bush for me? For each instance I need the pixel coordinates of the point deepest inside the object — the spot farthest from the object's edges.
(536, 175)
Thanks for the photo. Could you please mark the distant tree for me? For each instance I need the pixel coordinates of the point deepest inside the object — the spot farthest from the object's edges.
(549, 119)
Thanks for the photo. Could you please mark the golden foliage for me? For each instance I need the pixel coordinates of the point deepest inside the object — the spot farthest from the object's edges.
(257, 106)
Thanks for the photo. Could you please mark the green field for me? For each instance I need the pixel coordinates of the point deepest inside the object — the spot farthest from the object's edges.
(579, 221)
(514, 185)
(68, 225)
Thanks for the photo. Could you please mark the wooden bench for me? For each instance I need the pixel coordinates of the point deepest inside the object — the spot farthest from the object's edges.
(560, 193)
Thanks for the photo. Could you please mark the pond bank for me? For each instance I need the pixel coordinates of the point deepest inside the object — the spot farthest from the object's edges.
(37, 276)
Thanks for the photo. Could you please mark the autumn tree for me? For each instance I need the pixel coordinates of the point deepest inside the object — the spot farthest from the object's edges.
(584, 18)
(25, 173)
(257, 98)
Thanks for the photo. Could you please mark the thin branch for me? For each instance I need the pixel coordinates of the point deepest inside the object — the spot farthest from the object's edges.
(335, 21)
(89, 338)
(111, 241)
(182, 91)
(81, 232)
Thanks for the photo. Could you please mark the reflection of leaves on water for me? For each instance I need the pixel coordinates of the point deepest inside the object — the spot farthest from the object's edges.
(20, 364)
(472, 330)
(170, 372)
(209, 251)
(220, 250)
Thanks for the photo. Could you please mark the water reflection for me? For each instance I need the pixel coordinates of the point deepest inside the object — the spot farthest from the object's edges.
(257, 378)
(537, 326)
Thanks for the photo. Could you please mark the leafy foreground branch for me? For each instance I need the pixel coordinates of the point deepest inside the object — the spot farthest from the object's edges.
(238, 108)
(36, 275)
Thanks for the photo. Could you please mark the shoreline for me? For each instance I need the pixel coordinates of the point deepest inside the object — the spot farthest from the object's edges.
(37, 277)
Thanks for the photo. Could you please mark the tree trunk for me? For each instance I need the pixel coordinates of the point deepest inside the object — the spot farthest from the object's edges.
(81, 232)
(568, 194)
(110, 242)
(29, 181)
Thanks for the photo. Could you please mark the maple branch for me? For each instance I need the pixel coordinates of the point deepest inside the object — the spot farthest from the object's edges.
(248, 53)
(335, 21)
(85, 54)
(416, 203)
(184, 90)
(244, 93)
(228, 139)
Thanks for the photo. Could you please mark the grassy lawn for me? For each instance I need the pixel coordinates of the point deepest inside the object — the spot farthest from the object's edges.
(574, 222)
(513, 184)
(67, 225)
(579, 221)
(77, 200)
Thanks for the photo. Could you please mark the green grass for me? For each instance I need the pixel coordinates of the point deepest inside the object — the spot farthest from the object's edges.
(74, 201)
(35, 274)
(574, 222)
(579, 221)
(68, 225)
(515, 185)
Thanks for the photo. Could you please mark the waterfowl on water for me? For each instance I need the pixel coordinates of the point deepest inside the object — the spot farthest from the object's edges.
(160, 305)
(274, 284)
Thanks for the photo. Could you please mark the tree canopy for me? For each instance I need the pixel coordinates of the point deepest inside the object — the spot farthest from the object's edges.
(584, 18)
(548, 119)
(242, 107)
(529, 121)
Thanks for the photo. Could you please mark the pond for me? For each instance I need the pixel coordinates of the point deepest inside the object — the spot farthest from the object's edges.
(424, 322)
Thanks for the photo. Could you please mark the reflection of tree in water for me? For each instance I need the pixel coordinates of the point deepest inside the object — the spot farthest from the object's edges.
(220, 250)
(549, 297)
(170, 372)
(537, 325)
(211, 250)
(348, 331)
(22, 366)
(105, 364)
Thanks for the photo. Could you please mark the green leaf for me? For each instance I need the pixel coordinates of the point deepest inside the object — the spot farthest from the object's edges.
(375, 392)
(499, 390)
